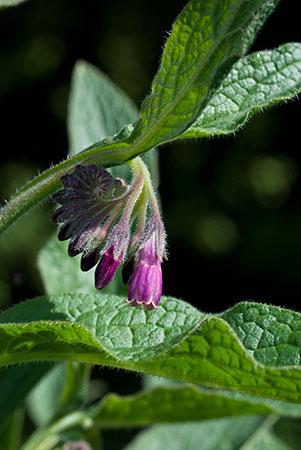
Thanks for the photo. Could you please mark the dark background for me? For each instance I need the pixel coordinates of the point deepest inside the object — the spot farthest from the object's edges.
(231, 205)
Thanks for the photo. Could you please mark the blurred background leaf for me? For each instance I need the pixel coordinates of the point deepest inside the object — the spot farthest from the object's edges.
(249, 432)
(5, 3)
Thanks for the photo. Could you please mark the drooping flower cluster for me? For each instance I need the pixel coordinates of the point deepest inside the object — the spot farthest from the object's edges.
(110, 223)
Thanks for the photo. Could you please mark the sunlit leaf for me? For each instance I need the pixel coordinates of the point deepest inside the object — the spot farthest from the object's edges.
(176, 341)
(208, 37)
(255, 82)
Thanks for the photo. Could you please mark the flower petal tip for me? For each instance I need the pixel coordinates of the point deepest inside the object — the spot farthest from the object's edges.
(147, 306)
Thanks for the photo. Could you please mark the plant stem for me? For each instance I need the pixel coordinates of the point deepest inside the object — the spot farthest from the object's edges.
(46, 438)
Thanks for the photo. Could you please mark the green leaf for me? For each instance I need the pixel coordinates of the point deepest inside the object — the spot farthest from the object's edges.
(208, 37)
(6, 3)
(181, 404)
(176, 341)
(60, 273)
(62, 389)
(43, 400)
(255, 82)
(184, 404)
(147, 338)
(225, 434)
(97, 107)
(248, 433)
(271, 334)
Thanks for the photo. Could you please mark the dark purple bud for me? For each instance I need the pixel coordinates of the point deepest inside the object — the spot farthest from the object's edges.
(65, 231)
(88, 261)
(91, 203)
(106, 269)
(128, 271)
(72, 250)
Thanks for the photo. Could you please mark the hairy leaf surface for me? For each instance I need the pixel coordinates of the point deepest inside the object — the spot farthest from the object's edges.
(255, 82)
(207, 39)
(176, 341)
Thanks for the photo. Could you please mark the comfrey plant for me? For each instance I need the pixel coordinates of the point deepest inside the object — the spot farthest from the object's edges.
(99, 212)
(249, 355)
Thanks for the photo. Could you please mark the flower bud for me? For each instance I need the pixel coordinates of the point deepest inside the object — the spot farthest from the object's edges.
(106, 268)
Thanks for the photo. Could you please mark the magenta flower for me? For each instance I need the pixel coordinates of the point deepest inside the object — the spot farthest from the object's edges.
(145, 278)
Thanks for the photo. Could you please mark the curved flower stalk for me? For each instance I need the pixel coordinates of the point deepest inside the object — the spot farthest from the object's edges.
(110, 223)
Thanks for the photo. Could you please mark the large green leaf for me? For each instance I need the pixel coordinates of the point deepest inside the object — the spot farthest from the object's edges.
(208, 37)
(97, 107)
(181, 404)
(252, 433)
(175, 341)
(254, 82)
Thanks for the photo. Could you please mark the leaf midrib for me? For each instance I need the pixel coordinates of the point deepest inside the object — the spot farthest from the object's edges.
(152, 130)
